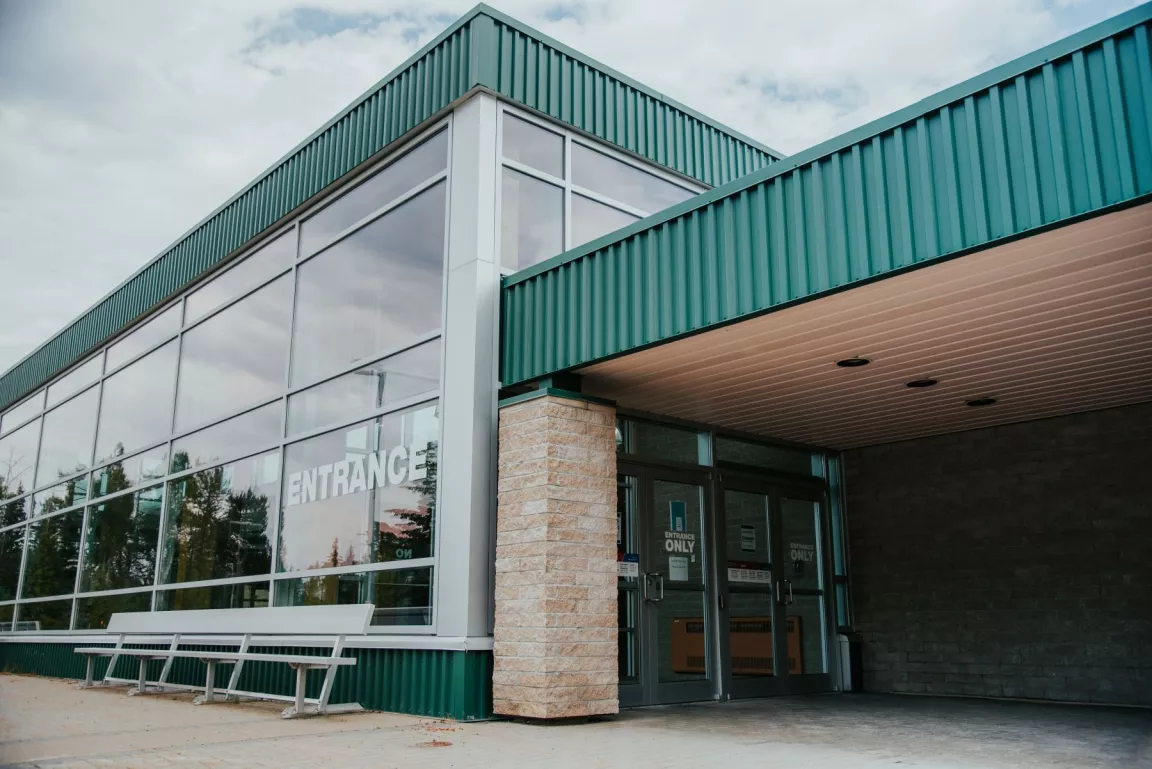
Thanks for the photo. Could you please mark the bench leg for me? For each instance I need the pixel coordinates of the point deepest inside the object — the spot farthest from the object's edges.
(301, 686)
(297, 708)
(142, 678)
(210, 682)
(88, 669)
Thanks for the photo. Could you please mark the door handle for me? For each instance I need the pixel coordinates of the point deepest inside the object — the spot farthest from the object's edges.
(647, 580)
(788, 582)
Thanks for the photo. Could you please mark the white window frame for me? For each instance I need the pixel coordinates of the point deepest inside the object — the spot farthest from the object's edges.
(568, 187)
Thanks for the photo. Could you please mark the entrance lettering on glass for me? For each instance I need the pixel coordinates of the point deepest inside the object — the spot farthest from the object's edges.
(376, 469)
(679, 542)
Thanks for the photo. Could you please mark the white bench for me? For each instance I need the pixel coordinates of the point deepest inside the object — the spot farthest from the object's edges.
(223, 627)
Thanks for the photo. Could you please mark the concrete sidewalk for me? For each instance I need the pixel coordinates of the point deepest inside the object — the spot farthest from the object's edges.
(48, 723)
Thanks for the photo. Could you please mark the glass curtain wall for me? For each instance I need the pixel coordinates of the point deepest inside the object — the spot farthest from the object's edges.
(269, 437)
(559, 190)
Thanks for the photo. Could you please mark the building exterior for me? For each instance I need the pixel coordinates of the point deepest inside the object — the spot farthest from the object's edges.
(510, 303)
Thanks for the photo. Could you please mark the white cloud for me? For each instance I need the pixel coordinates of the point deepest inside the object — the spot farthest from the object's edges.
(122, 124)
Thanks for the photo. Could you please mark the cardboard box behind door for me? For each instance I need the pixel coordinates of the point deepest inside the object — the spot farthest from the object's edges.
(751, 643)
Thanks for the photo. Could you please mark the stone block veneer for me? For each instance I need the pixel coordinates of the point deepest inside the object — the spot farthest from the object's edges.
(556, 621)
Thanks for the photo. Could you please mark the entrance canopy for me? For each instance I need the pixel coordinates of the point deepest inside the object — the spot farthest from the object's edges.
(994, 237)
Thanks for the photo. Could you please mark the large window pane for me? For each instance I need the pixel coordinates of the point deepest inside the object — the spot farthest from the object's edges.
(65, 495)
(136, 408)
(13, 512)
(53, 550)
(22, 412)
(272, 259)
(406, 375)
(127, 473)
(533, 146)
(235, 358)
(243, 595)
(375, 290)
(531, 220)
(237, 436)
(665, 442)
(7, 612)
(45, 615)
(120, 542)
(66, 446)
(220, 522)
(164, 325)
(75, 380)
(93, 613)
(11, 552)
(363, 494)
(401, 597)
(763, 455)
(419, 165)
(610, 177)
(18, 460)
(590, 219)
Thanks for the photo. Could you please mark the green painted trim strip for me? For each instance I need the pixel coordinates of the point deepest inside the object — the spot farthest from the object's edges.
(553, 392)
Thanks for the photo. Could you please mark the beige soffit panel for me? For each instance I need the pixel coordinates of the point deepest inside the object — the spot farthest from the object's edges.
(1053, 324)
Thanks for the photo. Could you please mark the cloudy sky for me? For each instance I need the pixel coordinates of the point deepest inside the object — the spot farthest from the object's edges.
(124, 122)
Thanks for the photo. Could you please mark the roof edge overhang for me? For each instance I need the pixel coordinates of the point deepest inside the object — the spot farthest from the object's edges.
(1052, 137)
(474, 53)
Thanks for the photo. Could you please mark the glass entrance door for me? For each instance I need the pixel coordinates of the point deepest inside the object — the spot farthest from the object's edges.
(773, 626)
(667, 647)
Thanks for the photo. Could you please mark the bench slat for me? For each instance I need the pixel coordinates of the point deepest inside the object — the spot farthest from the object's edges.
(347, 619)
(298, 659)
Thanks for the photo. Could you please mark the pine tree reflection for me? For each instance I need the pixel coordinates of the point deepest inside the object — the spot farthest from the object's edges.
(217, 526)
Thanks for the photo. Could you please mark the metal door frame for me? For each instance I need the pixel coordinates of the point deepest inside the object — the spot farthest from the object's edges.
(649, 690)
(782, 682)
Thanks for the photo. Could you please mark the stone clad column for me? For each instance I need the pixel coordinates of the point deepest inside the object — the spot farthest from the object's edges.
(556, 621)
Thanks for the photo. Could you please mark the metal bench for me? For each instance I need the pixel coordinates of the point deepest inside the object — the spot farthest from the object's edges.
(223, 627)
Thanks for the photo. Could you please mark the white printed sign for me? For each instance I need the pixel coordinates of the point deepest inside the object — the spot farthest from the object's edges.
(801, 552)
(750, 576)
(376, 469)
(679, 542)
(678, 568)
(748, 538)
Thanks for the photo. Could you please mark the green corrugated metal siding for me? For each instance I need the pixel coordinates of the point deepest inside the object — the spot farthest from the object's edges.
(442, 684)
(483, 49)
(551, 78)
(1063, 133)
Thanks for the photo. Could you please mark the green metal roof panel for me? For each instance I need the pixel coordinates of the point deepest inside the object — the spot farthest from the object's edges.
(549, 77)
(1062, 133)
(483, 49)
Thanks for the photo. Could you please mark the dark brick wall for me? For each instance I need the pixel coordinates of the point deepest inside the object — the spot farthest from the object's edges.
(1013, 561)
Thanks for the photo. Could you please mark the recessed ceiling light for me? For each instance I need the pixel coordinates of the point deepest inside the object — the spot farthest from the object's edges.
(918, 383)
(978, 402)
(853, 362)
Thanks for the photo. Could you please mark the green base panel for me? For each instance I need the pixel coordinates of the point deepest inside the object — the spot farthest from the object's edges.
(440, 684)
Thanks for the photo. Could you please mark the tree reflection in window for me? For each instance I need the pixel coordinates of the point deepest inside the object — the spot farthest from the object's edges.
(120, 542)
(219, 521)
(53, 552)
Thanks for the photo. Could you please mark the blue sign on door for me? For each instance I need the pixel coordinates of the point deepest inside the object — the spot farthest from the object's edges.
(677, 515)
